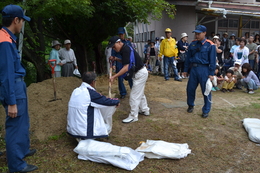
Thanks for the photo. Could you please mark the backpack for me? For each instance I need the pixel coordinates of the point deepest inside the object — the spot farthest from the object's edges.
(131, 68)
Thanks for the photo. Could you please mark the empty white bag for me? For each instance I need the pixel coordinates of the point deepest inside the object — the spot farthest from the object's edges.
(252, 126)
(76, 72)
(103, 152)
(160, 149)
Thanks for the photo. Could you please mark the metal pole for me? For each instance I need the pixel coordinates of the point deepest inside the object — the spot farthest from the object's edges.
(20, 45)
(240, 26)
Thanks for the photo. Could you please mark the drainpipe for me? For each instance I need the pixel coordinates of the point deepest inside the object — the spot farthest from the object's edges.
(240, 27)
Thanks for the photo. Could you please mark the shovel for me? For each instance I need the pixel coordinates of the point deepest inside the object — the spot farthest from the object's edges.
(53, 77)
(110, 95)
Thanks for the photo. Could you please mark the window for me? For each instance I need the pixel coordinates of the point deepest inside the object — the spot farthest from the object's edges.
(152, 35)
(145, 37)
(136, 38)
(223, 23)
(246, 24)
(255, 24)
(232, 23)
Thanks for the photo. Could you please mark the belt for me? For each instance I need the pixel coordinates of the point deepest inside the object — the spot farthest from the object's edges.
(19, 79)
(200, 65)
(70, 62)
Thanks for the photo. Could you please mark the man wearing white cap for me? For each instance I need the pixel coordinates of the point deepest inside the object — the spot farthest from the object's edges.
(55, 55)
(68, 59)
(183, 48)
(237, 73)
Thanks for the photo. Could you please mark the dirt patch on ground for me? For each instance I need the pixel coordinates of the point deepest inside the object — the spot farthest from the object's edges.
(218, 143)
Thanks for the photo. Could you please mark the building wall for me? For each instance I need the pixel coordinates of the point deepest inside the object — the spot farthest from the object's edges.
(185, 21)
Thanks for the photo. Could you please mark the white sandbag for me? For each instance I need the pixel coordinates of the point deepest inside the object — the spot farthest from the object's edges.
(76, 72)
(208, 87)
(252, 126)
(103, 152)
(161, 149)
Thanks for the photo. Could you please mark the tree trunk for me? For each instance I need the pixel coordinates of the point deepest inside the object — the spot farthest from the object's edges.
(99, 59)
(81, 55)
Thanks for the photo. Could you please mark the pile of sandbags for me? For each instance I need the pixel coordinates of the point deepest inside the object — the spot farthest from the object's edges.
(127, 158)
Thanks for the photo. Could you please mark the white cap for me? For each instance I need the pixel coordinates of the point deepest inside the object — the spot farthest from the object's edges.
(215, 37)
(55, 42)
(67, 42)
(162, 37)
(238, 62)
(184, 35)
(129, 37)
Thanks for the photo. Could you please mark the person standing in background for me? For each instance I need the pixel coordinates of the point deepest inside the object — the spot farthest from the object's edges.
(252, 51)
(130, 39)
(169, 49)
(13, 94)
(55, 55)
(183, 48)
(68, 59)
(118, 64)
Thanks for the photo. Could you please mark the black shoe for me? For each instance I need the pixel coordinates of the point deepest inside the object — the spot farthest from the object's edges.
(223, 90)
(166, 79)
(190, 109)
(178, 80)
(29, 168)
(122, 97)
(31, 152)
(205, 115)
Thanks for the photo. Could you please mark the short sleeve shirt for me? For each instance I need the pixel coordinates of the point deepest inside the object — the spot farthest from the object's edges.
(126, 52)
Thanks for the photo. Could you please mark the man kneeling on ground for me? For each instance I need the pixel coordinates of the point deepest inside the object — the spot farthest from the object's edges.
(90, 113)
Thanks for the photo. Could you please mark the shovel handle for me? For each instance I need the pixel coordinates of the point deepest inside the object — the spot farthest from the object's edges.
(52, 66)
(110, 84)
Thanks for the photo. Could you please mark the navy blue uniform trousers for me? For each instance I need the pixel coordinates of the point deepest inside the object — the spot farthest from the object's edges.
(198, 75)
(121, 85)
(17, 132)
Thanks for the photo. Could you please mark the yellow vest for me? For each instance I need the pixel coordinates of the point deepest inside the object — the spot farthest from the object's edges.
(168, 48)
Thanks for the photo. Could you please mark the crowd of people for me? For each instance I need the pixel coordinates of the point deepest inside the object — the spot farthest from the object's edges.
(231, 54)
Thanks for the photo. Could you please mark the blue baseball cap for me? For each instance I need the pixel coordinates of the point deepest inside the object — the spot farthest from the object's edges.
(13, 11)
(121, 30)
(200, 29)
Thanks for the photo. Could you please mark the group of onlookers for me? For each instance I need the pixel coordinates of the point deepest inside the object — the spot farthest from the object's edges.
(236, 58)
(65, 58)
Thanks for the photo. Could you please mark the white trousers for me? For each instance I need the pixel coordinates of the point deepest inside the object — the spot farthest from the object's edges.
(137, 99)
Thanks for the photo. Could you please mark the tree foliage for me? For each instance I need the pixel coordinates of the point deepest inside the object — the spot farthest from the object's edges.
(85, 22)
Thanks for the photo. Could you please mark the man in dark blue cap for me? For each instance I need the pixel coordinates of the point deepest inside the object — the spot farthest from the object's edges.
(13, 94)
(118, 64)
(201, 64)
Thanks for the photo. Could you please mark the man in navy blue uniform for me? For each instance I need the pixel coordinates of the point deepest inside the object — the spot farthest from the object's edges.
(13, 94)
(201, 63)
(119, 66)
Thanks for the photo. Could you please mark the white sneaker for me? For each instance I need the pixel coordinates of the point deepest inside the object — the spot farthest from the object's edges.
(180, 77)
(129, 120)
(251, 92)
(144, 113)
